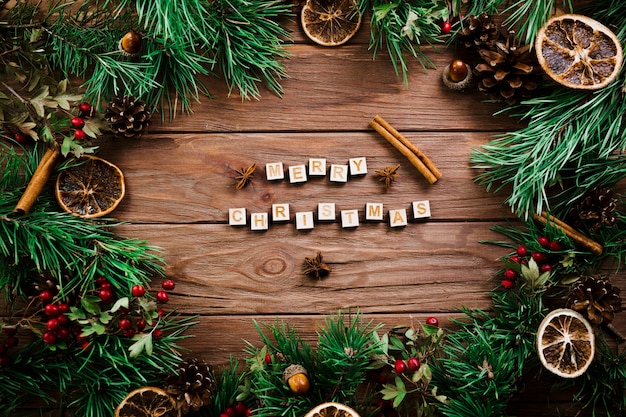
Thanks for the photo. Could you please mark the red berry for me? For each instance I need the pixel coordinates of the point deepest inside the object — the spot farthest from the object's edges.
(414, 364)
(86, 346)
(129, 333)
(62, 333)
(158, 334)
(4, 360)
(240, 408)
(9, 331)
(268, 358)
(51, 310)
(101, 280)
(138, 291)
(52, 324)
(168, 284)
(64, 308)
(399, 366)
(555, 246)
(224, 415)
(84, 108)
(125, 324)
(507, 284)
(11, 341)
(105, 295)
(22, 138)
(545, 268)
(432, 321)
(49, 338)
(77, 122)
(230, 411)
(543, 241)
(446, 27)
(80, 134)
(522, 251)
(510, 274)
(539, 256)
(160, 312)
(46, 296)
(141, 324)
(248, 411)
(106, 286)
(515, 258)
(62, 320)
(162, 297)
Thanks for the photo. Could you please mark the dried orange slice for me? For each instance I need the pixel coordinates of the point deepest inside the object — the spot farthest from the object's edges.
(147, 402)
(330, 22)
(332, 410)
(565, 343)
(578, 52)
(92, 188)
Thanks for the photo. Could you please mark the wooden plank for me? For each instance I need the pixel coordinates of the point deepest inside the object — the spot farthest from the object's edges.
(190, 178)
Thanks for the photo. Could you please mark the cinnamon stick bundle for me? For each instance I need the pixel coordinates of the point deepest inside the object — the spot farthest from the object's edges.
(416, 157)
(40, 177)
(579, 238)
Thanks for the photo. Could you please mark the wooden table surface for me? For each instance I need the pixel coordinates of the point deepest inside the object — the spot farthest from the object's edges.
(180, 186)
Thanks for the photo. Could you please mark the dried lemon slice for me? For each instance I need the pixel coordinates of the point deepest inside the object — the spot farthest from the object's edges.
(578, 52)
(332, 410)
(92, 188)
(148, 402)
(330, 22)
(565, 343)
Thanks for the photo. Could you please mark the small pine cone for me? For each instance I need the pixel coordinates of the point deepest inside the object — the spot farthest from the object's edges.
(595, 209)
(479, 32)
(596, 299)
(192, 385)
(127, 117)
(509, 73)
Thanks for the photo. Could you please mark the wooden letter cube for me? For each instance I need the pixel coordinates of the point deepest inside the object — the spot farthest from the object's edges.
(421, 209)
(373, 211)
(259, 221)
(397, 218)
(304, 220)
(326, 212)
(237, 216)
(338, 173)
(297, 173)
(349, 218)
(274, 171)
(358, 166)
(317, 167)
(280, 212)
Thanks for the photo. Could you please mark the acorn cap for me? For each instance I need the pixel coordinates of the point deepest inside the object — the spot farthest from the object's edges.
(292, 370)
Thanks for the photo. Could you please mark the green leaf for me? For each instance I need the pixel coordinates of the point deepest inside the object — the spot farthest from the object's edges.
(441, 398)
(76, 314)
(143, 341)
(120, 303)
(91, 304)
(105, 318)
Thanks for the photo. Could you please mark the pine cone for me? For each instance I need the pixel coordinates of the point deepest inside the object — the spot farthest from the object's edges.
(479, 32)
(595, 209)
(192, 385)
(127, 116)
(509, 73)
(596, 299)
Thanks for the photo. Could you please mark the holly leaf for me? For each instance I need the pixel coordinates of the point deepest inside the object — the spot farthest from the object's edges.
(142, 342)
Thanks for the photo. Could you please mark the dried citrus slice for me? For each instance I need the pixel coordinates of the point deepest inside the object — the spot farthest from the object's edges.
(330, 22)
(332, 410)
(565, 343)
(147, 402)
(578, 52)
(92, 188)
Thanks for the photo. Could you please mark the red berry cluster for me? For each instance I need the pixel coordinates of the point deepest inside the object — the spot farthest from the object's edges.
(10, 341)
(239, 409)
(58, 325)
(78, 122)
(167, 285)
(543, 258)
(401, 366)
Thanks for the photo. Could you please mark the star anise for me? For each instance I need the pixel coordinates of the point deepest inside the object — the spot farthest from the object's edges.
(388, 174)
(315, 267)
(244, 176)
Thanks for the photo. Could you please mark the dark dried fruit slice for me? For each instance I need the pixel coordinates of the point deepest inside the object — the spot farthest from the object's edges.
(578, 52)
(147, 402)
(332, 410)
(330, 22)
(565, 343)
(92, 188)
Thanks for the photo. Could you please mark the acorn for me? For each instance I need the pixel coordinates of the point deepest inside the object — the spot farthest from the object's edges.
(457, 75)
(131, 43)
(297, 378)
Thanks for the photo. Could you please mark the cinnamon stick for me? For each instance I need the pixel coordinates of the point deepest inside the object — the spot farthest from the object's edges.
(412, 157)
(426, 160)
(579, 238)
(40, 177)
